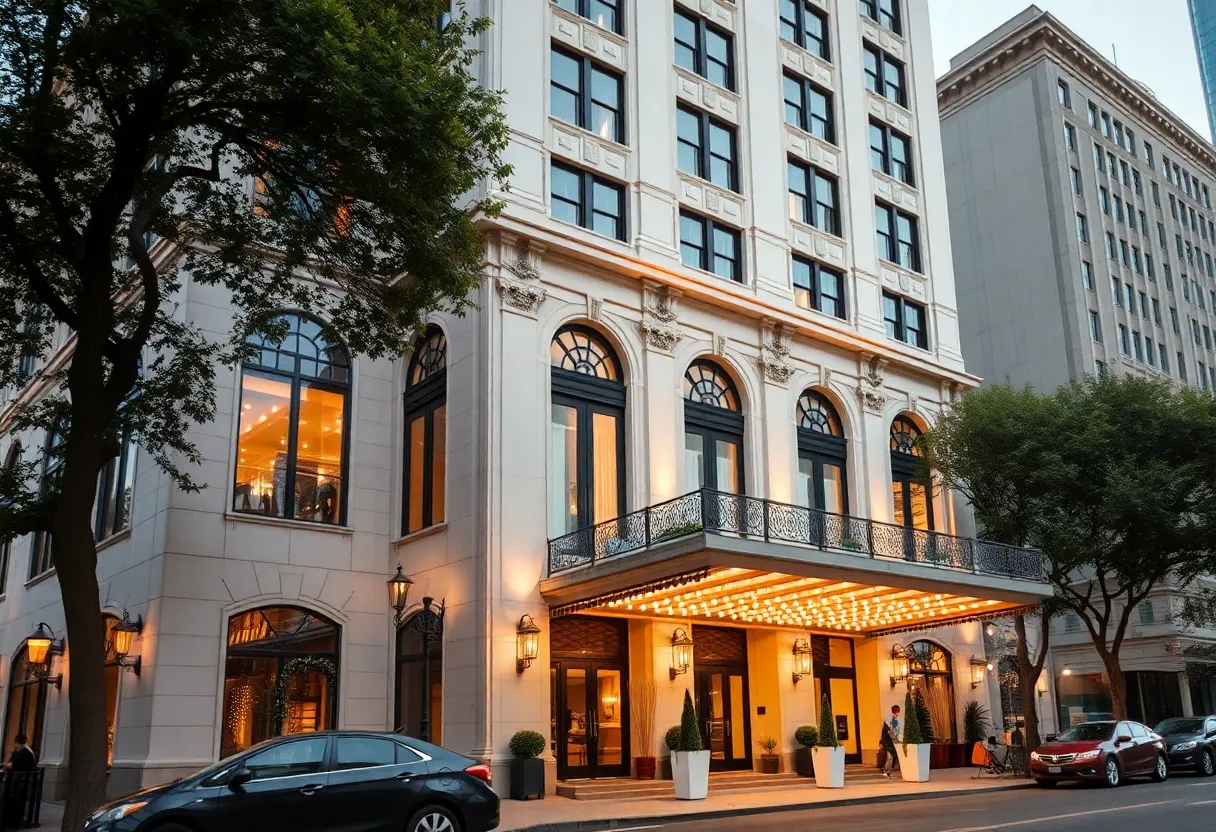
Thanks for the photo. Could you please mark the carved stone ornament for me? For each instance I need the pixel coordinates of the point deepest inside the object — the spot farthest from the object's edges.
(522, 290)
(870, 393)
(658, 325)
(774, 356)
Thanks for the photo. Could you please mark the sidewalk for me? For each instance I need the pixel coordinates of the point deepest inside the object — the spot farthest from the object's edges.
(560, 814)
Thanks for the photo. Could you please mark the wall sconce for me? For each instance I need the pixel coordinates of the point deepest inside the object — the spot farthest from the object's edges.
(802, 658)
(399, 594)
(979, 669)
(125, 632)
(681, 652)
(527, 643)
(899, 665)
(990, 629)
(1066, 671)
(40, 650)
(609, 701)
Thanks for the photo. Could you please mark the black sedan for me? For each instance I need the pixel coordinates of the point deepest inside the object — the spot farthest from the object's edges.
(342, 781)
(1191, 743)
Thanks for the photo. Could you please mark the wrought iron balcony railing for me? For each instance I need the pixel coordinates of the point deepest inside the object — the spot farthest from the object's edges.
(754, 518)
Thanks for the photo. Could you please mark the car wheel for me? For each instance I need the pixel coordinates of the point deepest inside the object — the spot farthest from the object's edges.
(1113, 775)
(1206, 767)
(1045, 784)
(433, 819)
(1162, 771)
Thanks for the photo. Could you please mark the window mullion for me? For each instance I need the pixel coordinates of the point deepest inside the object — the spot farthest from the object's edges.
(293, 438)
(428, 443)
(584, 91)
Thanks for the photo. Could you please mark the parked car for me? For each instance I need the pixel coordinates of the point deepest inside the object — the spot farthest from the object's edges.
(372, 782)
(1191, 741)
(1106, 752)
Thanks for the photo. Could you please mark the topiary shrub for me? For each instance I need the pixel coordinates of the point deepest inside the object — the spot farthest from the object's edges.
(807, 736)
(914, 734)
(827, 725)
(527, 744)
(672, 738)
(690, 732)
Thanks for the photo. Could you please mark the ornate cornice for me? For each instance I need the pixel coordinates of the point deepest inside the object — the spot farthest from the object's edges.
(775, 354)
(660, 325)
(519, 280)
(871, 393)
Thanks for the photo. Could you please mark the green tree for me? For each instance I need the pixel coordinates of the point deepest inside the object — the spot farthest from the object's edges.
(914, 733)
(690, 729)
(1112, 478)
(130, 131)
(827, 725)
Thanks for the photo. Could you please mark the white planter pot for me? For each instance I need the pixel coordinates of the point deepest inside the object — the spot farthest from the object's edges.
(690, 771)
(913, 763)
(829, 767)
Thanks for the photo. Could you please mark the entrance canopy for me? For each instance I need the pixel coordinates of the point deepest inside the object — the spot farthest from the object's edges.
(732, 559)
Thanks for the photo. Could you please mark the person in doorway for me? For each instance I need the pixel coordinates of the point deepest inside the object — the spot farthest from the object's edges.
(892, 732)
(23, 757)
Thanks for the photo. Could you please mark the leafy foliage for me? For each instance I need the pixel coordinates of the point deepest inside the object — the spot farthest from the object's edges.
(914, 731)
(690, 731)
(672, 738)
(827, 725)
(976, 722)
(807, 736)
(527, 744)
(767, 744)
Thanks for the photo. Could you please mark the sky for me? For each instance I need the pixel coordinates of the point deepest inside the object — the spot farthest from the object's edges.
(1151, 38)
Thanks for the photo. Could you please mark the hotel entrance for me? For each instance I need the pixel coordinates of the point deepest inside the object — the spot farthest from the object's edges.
(589, 697)
(834, 669)
(720, 661)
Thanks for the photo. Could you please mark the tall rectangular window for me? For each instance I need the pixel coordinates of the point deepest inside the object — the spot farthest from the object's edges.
(115, 487)
(1137, 347)
(818, 287)
(1070, 136)
(891, 153)
(1124, 346)
(1164, 357)
(1095, 326)
(1156, 311)
(1087, 275)
(706, 147)
(884, 75)
(1181, 366)
(1099, 159)
(814, 197)
(807, 26)
(885, 12)
(582, 198)
(1148, 154)
(704, 49)
(584, 93)
(1074, 174)
(1093, 115)
(1082, 228)
(1104, 200)
(905, 320)
(898, 236)
(809, 107)
(1064, 95)
(1105, 125)
(603, 13)
(710, 246)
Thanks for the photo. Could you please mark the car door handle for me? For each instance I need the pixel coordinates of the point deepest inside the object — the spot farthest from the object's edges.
(312, 789)
(405, 776)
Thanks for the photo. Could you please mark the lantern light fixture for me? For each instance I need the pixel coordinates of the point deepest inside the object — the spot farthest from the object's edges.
(125, 632)
(527, 643)
(681, 652)
(979, 670)
(41, 647)
(802, 658)
(899, 665)
(399, 595)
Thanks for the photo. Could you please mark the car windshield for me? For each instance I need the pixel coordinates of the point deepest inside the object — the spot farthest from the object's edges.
(1088, 732)
(1180, 726)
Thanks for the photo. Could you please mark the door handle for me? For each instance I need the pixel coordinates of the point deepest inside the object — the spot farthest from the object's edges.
(312, 789)
(405, 776)
(729, 730)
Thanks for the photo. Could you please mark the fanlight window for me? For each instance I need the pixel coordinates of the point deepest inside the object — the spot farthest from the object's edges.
(927, 657)
(583, 350)
(306, 351)
(705, 383)
(430, 357)
(815, 413)
(905, 437)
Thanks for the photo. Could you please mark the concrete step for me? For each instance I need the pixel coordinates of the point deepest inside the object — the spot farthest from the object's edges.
(735, 782)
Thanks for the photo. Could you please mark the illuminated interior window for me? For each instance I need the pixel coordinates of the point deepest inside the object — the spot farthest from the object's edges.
(911, 491)
(425, 423)
(713, 430)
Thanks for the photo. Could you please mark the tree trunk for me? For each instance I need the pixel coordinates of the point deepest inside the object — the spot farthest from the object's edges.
(1117, 682)
(1028, 676)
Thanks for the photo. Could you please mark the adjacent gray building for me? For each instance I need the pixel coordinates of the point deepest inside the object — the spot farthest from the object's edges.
(1082, 227)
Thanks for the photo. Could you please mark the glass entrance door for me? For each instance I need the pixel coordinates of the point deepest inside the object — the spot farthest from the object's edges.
(722, 704)
(836, 675)
(590, 720)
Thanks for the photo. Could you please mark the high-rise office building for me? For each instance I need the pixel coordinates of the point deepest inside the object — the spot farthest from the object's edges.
(1203, 26)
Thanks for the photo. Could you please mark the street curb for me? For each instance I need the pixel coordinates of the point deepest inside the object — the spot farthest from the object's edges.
(662, 820)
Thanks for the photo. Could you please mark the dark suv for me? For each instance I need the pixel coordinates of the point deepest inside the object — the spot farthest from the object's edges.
(314, 782)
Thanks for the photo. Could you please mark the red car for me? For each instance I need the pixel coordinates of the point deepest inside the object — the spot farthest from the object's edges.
(1106, 752)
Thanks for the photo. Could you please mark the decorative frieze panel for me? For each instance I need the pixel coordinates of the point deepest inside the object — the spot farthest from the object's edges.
(871, 388)
(905, 282)
(584, 36)
(896, 193)
(519, 278)
(811, 149)
(589, 151)
(709, 97)
(890, 112)
(660, 325)
(717, 11)
(774, 359)
(884, 38)
(822, 246)
(805, 63)
(711, 200)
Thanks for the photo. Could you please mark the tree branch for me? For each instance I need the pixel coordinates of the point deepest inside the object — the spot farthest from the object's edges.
(38, 281)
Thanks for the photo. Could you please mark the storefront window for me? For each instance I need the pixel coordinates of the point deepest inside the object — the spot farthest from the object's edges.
(280, 676)
(931, 673)
(1083, 697)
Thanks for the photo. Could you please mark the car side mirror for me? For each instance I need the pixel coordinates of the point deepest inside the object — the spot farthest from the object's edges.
(239, 778)
(1123, 738)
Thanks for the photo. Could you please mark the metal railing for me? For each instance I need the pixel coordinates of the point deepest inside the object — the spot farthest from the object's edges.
(754, 518)
(20, 798)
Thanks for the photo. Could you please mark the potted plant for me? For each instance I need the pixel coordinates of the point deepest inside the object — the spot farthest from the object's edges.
(689, 764)
(829, 755)
(672, 740)
(643, 697)
(914, 749)
(770, 763)
(807, 738)
(527, 770)
(976, 725)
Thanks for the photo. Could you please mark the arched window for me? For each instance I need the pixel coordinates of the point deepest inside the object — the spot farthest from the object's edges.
(713, 429)
(587, 431)
(930, 672)
(910, 492)
(280, 676)
(113, 674)
(11, 459)
(426, 430)
(26, 703)
(291, 455)
(52, 474)
(822, 453)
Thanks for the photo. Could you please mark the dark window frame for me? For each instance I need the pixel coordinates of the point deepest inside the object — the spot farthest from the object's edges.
(890, 136)
(426, 391)
(879, 76)
(703, 150)
(716, 422)
(49, 480)
(809, 177)
(700, 49)
(586, 102)
(798, 29)
(708, 248)
(814, 287)
(585, 208)
(899, 323)
(821, 442)
(584, 10)
(885, 13)
(895, 244)
(806, 121)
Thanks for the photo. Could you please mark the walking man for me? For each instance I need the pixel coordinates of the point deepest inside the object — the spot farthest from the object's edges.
(892, 732)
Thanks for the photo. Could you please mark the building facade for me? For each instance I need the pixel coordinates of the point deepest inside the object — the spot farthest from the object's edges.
(1083, 231)
(673, 447)
(1203, 27)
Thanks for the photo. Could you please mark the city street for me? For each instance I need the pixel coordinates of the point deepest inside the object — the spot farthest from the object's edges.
(1181, 804)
